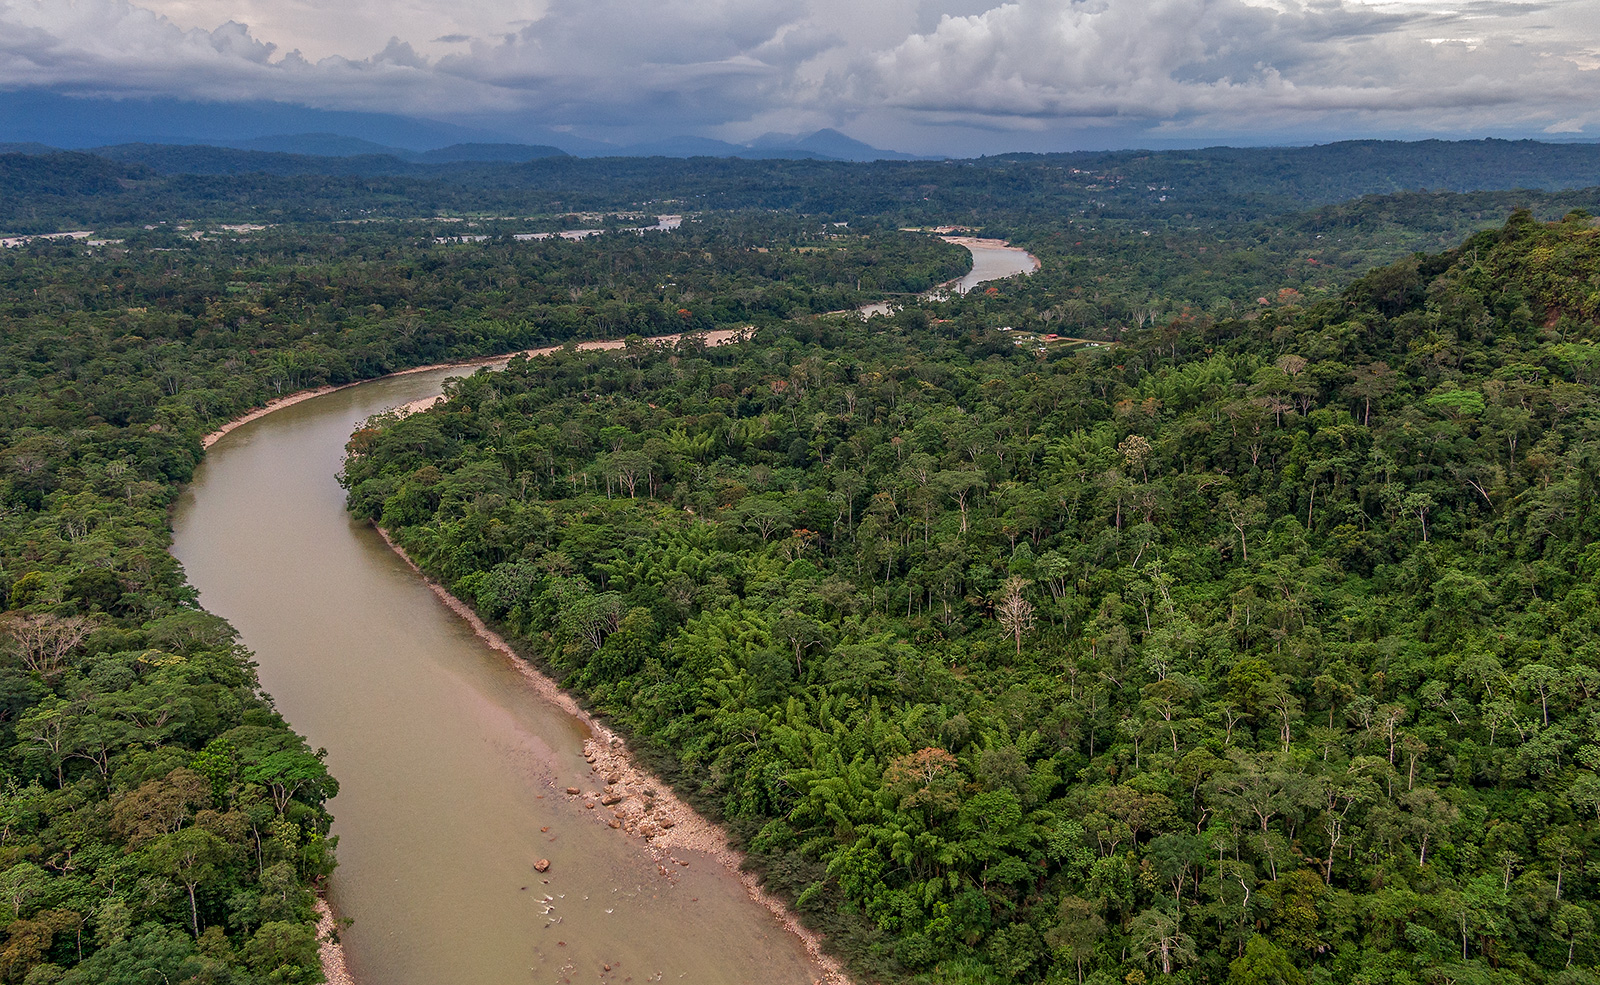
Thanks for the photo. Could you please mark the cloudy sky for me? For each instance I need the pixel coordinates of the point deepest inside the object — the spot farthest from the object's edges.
(932, 76)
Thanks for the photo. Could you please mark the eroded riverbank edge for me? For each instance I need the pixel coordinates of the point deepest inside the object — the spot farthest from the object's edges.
(329, 950)
(669, 823)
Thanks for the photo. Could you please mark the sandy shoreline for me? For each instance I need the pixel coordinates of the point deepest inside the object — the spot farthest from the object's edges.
(664, 822)
(718, 337)
(940, 291)
(989, 244)
(329, 949)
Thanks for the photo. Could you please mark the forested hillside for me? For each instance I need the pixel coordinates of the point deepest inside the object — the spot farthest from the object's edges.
(1247, 649)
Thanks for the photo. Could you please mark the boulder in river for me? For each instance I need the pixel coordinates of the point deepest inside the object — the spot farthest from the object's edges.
(543, 865)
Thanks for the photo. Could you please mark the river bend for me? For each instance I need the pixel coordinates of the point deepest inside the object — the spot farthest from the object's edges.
(451, 766)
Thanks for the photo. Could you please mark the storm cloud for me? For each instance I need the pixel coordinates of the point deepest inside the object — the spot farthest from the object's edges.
(925, 75)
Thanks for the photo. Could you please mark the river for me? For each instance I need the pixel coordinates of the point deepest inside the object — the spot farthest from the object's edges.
(451, 764)
(992, 259)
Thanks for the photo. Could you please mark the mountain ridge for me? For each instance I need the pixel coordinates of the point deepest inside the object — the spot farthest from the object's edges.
(41, 119)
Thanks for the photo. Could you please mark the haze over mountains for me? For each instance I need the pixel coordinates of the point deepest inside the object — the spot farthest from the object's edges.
(48, 120)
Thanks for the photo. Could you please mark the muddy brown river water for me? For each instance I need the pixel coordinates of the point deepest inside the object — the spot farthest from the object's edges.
(992, 259)
(451, 765)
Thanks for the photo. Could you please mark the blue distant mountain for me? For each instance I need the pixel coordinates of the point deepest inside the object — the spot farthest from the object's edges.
(32, 115)
(670, 147)
(317, 144)
(41, 119)
(831, 144)
(213, 159)
(506, 153)
(824, 145)
(334, 145)
(707, 147)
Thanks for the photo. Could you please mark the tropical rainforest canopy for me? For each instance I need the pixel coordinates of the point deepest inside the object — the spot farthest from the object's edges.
(1247, 638)
(1257, 650)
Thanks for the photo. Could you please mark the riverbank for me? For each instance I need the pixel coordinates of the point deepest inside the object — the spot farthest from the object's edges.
(718, 337)
(334, 962)
(637, 802)
(981, 243)
(331, 952)
(983, 269)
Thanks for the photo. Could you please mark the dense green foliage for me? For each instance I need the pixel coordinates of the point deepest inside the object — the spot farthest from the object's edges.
(1246, 650)
(156, 815)
(148, 336)
(1254, 648)
(158, 820)
(152, 183)
(1101, 276)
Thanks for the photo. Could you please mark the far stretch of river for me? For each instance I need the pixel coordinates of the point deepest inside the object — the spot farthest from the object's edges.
(992, 259)
(451, 765)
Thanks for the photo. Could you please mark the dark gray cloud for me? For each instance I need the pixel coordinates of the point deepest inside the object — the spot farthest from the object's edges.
(1231, 67)
(930, 74)
(700, 62)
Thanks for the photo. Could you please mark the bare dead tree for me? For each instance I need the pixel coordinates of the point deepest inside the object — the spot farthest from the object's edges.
(43, 641)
